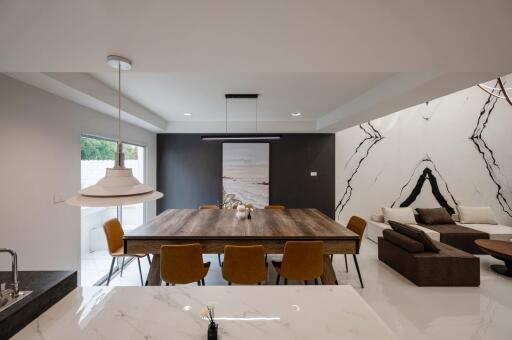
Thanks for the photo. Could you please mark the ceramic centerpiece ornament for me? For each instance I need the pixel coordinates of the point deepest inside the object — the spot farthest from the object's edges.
(241, 212)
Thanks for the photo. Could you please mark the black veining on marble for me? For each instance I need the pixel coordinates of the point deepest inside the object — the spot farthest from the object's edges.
(372, 137)
(426, 170)
(493, 169)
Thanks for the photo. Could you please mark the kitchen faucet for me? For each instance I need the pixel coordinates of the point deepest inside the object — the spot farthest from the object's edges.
(15, 283)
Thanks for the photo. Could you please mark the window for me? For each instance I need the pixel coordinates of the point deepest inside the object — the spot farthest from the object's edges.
(96, 156)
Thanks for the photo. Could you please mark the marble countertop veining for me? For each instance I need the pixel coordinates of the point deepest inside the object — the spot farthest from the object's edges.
(242, 312)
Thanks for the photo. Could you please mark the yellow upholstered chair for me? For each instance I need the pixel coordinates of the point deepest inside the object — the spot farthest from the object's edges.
(183, 264)
(357, 225)
(244, 264)
(212, 206)
(114, 234)
(302, 260)
(275, 206)
(209, 206)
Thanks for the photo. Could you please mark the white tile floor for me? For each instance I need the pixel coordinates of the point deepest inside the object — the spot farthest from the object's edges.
(412, 312)
(94, 266)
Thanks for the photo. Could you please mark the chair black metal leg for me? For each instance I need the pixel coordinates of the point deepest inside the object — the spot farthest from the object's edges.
(167, 283)
(111, 269)
(149, 259)
(140, 272)
(122, 267)
(229, 283)
(199, 282)
(358, 272)
(202, 281)
(316, 282)
(220, 262)
(346, 263)
(259, 283)
(305, 282)
(332, 256)
(285, 281)
(278, 277)
(266, 256)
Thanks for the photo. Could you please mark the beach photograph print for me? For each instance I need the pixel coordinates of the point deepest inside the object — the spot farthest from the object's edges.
(245, 174)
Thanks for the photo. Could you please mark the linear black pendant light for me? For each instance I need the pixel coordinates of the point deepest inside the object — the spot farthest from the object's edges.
(240, 137)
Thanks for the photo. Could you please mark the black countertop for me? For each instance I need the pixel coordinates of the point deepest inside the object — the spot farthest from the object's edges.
(47, 287)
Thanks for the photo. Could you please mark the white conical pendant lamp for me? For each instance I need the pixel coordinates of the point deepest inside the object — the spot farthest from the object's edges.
(118, 186)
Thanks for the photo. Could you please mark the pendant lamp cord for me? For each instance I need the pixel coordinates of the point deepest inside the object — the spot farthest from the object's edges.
(256, 114)
(119, 104)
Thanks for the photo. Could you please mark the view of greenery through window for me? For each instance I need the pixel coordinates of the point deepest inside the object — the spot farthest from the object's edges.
(99, 149)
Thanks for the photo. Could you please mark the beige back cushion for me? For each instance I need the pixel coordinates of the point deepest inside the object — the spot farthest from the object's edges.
(401, 215)
(482, 215)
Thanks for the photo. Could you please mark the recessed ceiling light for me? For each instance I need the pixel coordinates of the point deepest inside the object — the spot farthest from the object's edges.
(296, 114)
(187, 114)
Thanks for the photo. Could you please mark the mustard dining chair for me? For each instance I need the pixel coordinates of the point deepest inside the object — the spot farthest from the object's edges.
(212, 206)
(302, 260)
(208, 206)
(181, 264)
(244, 264)
(114, 234)
(275, 206)
(357, 225)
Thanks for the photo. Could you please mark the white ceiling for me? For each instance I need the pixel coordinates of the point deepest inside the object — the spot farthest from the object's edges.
(264, 35)
(340, 63)
(280, 94)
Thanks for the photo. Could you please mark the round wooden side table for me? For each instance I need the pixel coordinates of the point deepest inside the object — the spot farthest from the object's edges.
(502, 250)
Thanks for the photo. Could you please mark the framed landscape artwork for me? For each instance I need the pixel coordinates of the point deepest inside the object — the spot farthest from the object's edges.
(245, 174)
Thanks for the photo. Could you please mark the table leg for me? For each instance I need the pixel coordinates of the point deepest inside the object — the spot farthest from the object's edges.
(154, 272)
(328, 277)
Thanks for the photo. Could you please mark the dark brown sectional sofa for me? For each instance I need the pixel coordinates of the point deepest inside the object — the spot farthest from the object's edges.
(438, 219)
(460, 237)
(429, 263)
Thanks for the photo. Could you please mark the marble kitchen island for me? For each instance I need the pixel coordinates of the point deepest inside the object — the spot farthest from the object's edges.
(242, 312)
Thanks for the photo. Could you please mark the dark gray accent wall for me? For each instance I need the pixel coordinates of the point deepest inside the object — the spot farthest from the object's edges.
(189, 171)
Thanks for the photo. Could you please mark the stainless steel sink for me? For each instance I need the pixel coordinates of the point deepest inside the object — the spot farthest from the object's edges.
(9, 297)
(6, 299)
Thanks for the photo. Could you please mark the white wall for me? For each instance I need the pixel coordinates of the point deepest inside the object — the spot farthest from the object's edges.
(40, 136)
(390, 151)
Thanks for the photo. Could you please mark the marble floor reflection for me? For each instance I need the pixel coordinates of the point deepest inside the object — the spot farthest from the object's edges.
(411, 312)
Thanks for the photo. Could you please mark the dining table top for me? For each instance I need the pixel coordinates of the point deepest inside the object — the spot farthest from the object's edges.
(308, 224)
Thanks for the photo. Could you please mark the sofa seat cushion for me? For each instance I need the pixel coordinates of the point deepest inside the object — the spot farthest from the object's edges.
(416, 234)
(402, 241)
(496, 231)
(459, 237)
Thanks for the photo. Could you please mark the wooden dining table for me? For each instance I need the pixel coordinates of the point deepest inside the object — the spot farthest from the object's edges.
(215, 228)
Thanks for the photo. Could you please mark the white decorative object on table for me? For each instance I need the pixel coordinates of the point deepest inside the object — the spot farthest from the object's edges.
(241, 212)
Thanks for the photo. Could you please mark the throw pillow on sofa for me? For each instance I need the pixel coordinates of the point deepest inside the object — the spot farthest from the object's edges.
(481, 215)
(435, 216)
(414, 233)
(402, 215)
(403, 241)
